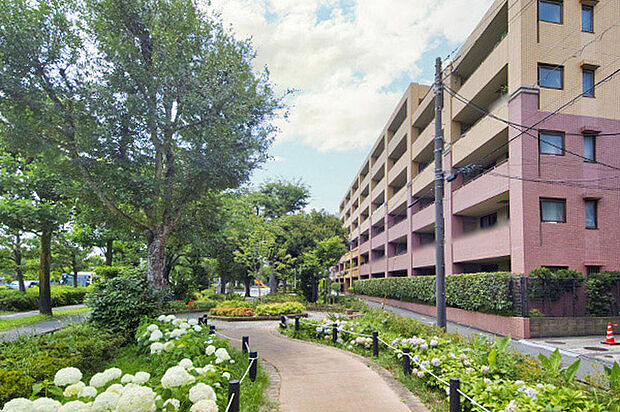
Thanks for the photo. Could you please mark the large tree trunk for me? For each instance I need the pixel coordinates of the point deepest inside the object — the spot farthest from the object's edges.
(17, 255)
(155, 253)
(273, 283)
(45, 294)
(247, 283)
(222, 286)
(75, 268)
(109, 252)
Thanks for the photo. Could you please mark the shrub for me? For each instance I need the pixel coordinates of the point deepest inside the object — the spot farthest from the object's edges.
(599, 296)
(110, 272)
(37, 358)
(545, 283)
(232, 311)
(271, 309)
(182, 306)
(234, 304)
(14, 300)
(482, 292)
(283, 297)
(119, 303)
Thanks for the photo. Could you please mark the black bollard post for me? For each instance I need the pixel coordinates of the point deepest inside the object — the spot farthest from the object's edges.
(455, 396)
(375, 344)
(245, 344)
(253, 366)
(283, 321)
(406, 362)
(233, 396)
(334, 333)
(211, 329)
(296, 323)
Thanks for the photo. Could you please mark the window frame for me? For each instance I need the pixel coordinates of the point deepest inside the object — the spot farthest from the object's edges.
(593, 137)
(591, 9)
(595, 202)
(489, 220)
(551, 200)
(552, 67)
(554, 133)
(593, 88)
(553, 2)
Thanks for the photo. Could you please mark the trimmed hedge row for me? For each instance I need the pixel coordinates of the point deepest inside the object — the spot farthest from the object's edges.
(480, 292)
(13, 300)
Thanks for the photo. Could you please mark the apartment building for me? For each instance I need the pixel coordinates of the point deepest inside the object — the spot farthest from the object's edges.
(514, 201)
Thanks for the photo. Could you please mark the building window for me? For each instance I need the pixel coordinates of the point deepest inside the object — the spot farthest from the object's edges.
(592, 269)
(587, 18)
(553, 210)
(551, 77)
(588, 83)
(488, 220)
(551, 143)
(589, 147)
(550, 11)
(591, 214)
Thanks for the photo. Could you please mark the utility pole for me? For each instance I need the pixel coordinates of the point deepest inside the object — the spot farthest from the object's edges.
(439, 223)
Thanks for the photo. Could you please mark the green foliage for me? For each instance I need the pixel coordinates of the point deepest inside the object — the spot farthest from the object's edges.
(282, 297)
(288, 308)
(232, 311)
(280, 197)
(235, 304)
(37, 358)
(336, 287)
(482, 292)
(109, 272)
(120, 303)
(545, 283)
(599, 296)
(553, 363)
(14, 300)
(178, 306)
(613, 374)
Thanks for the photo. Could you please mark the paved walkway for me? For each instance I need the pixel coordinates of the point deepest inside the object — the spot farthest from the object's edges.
(18, 315)
(41, 327)
(321, 378)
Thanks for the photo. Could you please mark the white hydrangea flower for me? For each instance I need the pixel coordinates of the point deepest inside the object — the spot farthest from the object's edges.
(176, 376)
(487, 381)
(434, 342)
(197, 328)
(184, 326)
(226, 375)
(186, 363)
(18, 405)
(177, 332)
(193, 322)
(127, 378)
(232, 361)
(222, 354)
(136, 398)
(484, 369)
(161, 318)
(540, 386)
(218, 361)
(201, 391)
(106, 402)
(169, 346)
(170, 318)
(210, 350)
(141, 378)
(116, 388)
(435, 362)
(176, 404)
(45, 405)
(98, 380)
(75, 406)
(156, 347)
(87, 392)
(113, 373)
(208, 368)
(67, 376)
(420, 374)
(204, 406)
(156, 335)
(152, 327)
(73, 390)
(177, 322)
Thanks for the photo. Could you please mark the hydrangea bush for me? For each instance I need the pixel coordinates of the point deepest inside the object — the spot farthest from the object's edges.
(494, 377)
(189, 371)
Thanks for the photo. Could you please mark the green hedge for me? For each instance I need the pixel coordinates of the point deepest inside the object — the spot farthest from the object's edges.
(599, 296)
(481, 292)
(12, 300)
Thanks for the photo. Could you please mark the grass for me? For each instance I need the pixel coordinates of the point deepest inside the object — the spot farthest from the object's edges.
(6, 324)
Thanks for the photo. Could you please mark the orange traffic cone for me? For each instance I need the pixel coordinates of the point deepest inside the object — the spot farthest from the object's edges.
(610, 336)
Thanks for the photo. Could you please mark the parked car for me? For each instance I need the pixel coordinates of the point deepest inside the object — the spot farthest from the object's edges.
(27, 283)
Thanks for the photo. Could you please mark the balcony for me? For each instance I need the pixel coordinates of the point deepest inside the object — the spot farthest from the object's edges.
(423, 180)
(398, 167)
(424, 140)
(364, 225)
(484, 189)
(378, 214)
(398, 230)
(378, 264)
(379, 239)
(484, 136)
(398, 198)
(400, 262)
(487, 79)
(424, 256)
(378, 165)
(365, 247)
(364, 269)
(425, 112)
(482, 244)
(365, 203)
(424, 219)
(400, 134)
(380, 187)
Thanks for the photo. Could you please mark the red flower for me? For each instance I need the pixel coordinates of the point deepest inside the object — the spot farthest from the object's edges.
(190, 303)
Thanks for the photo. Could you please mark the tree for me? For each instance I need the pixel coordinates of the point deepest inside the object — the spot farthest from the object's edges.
(152, 103)
(278, 198)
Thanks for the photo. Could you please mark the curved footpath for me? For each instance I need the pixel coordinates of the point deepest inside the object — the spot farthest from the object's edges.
(321, 378)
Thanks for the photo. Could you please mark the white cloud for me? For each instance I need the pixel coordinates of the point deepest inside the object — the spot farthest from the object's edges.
(343, 66)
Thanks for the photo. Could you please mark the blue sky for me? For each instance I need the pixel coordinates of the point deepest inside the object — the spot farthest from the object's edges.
(349, 62)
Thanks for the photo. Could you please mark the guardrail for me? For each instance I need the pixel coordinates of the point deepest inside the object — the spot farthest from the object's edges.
(452, 387)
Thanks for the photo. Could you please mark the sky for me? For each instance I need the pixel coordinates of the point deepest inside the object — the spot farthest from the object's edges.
(349, 63)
